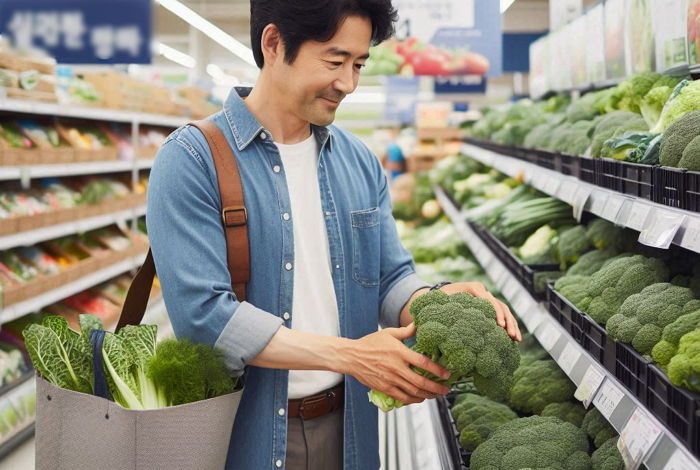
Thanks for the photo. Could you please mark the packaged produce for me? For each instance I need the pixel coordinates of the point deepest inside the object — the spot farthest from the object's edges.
(23, 270)
(43, 261)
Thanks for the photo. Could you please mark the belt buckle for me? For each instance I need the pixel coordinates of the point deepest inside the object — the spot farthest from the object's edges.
(234, 210)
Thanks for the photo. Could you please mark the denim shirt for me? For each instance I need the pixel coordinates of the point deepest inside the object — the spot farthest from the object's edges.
(373, 275)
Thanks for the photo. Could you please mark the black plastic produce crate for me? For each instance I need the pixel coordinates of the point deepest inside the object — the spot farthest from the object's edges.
(587, 170)
(631, 369)
(563, 312)
(675, 407)
(637, 180)
(692, 191)
(545, 159)
(590, 335)
(568, 164)
(460, 457)
(608, 174)
(669, 186)
(525, 273)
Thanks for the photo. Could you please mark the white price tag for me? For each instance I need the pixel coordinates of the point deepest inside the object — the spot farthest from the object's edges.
(549, 336)
(607, 398)
(691, 236)
(660, 228)
(679, 461)
(25, 177)
(569, 357)
(521, 303)
(532, 318)
(612, 207)
(580, 200)
(511, 288)
(540, 180)
(597, 204)
(589, 385)
(637, 438)
(567, 191)
(638, 215)
(552, 186)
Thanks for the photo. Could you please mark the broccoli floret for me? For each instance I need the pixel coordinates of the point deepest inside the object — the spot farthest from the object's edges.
(604, 234)
(691, 156)
(684, 99)
(677, 137)
(572, 243)
(535, 442)
(592, 261)
(642, 317)
(538, 384)
(665, 349)
(572, 412)
(459, 332)
(607, 457)
(615, 281)
(582, 109)
(575, 289)
(597, 427)
(633, 90)
(477, 417)
(538, 136)
(614, 125)
(684, 368)
(653, 103)
(530, 350)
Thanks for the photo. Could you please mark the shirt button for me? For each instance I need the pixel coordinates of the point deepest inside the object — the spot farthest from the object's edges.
(280, 412)
(288, 266)
(337, 266)
(278, 464)
(263, 136)
(286, 315)
(328, 213)
(276, 168)
(285, 216)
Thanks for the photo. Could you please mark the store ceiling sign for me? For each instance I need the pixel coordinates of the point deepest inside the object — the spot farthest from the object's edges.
(81, 31)
(442, 37)
(460, 84)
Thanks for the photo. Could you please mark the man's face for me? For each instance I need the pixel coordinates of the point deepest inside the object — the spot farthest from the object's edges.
(323, 73)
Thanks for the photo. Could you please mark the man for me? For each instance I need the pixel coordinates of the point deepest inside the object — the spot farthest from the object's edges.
(326, 263)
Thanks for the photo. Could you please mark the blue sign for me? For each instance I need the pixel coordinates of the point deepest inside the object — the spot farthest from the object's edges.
(460, 84)
(401, 98)
(81, 31)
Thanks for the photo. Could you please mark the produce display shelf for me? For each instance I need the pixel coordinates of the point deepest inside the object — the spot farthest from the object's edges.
(659, 225)
(32, 237)
(614, 401)
(66, 169)
(19, 387)
(47, 298)
(89, 112)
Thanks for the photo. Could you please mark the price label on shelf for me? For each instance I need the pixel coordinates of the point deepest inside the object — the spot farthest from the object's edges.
(552, 186)
(660, 228)
(597, 203)
(567, 190)
(638, 215)
(569, 357)
(607, 398)
(691, 236)
(589, 385)
(511, 288)
(612, 207)
(533, 317)
(679, 461)
(637, 438)
(540, 181)
(521, 303)
(549, 336)
(580, 199)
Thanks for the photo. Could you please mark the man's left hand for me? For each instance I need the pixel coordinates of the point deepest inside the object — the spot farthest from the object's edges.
(504, 318)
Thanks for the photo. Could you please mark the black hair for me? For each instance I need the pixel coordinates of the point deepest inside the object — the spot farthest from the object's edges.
(315, 20)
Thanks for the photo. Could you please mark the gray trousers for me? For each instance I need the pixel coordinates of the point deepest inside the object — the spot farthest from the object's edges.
(315, 444)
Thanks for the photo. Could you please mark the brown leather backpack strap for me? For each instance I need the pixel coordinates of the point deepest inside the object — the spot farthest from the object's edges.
(233, 212)
(137, 298)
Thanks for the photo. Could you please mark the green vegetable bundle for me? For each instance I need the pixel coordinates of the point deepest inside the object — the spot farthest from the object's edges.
(139, 374)
(520, 219)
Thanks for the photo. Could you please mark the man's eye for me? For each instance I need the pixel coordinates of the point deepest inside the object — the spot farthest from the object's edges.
(359, 66)
(335, 64)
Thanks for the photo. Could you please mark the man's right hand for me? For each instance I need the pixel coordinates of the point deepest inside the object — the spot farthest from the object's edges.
(382, 362)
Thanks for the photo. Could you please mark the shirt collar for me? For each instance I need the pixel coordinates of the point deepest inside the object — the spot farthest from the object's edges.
(245, 127)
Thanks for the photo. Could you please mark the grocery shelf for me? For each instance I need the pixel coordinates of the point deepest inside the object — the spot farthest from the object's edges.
(76, 226)
(89, 112)
(18, 388)
(47, 298)
(614, 401)
(659, 225)
(66, 169)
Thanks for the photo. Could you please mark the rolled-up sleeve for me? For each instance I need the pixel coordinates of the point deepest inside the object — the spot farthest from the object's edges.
(399, 280)
(189, 249)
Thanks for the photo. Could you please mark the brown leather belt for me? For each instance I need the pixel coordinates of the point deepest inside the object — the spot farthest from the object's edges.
(317, 405)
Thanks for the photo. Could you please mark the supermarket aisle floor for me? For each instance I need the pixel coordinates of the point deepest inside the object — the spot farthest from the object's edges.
(22, 458)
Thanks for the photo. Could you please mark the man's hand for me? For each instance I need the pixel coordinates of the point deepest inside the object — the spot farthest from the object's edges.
(381, 362)
(504, 318)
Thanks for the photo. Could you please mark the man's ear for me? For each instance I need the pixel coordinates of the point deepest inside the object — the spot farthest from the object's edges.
(271, 44)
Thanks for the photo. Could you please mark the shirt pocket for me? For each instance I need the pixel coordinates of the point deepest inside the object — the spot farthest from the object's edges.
(365, 246)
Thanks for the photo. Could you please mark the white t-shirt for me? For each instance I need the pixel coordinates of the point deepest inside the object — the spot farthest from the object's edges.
(314, 307)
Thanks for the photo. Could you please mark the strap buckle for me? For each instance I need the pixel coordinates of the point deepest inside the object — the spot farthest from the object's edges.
(234, 216)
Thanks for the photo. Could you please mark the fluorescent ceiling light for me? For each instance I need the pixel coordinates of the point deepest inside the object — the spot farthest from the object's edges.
(215, 71)
(176, 56)
(505, 4)
(210, 29)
